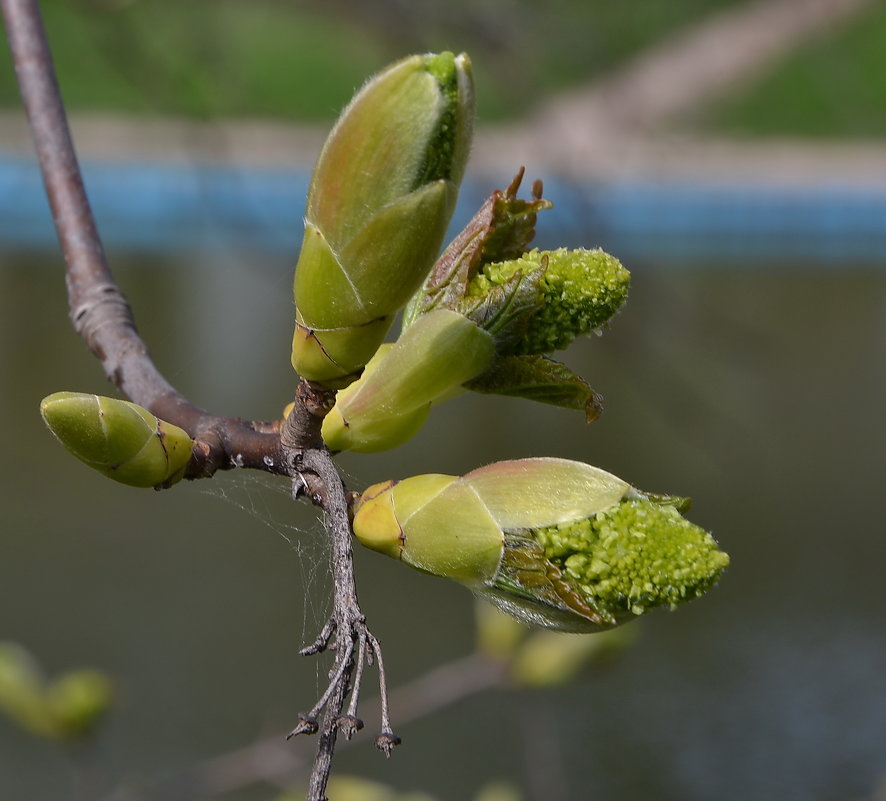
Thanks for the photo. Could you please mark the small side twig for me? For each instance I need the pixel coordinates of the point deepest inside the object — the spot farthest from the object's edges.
(345, 631)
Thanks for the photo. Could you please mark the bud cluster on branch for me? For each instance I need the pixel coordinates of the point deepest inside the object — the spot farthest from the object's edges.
(555, 543)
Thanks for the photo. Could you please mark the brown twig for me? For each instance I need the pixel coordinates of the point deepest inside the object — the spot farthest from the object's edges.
(99, 310)
(354, 643)
(103, 318)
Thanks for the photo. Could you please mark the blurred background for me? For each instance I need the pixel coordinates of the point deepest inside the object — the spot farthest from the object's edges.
(731, 153)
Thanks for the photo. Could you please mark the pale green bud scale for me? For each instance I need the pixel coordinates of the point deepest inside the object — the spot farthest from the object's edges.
(390, 401)
(560, 489)
(466, 547)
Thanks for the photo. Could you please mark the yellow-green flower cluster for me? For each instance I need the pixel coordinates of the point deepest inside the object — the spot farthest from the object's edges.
(580, 289)
(634, 556)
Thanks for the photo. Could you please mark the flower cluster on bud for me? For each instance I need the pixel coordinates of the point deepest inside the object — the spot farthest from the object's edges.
(579, 290)
(634, 556)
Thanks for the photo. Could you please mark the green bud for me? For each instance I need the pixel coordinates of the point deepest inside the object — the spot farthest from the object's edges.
(499, 791)
(390, 401)
(554, 543)
(496, 634)
(67, 709)
(552, 658)
(580, 290)
(352, 788)
(502, 229)
(78, 701)
(380, 201)
(120, 439)
(21, 691)
(530, 303)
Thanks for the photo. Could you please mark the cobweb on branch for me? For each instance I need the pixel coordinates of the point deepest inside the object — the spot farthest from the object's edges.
(267, 500)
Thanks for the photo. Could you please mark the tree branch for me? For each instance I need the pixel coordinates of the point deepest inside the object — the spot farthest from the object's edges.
(103, 318)
(99, 310)
(354, 644)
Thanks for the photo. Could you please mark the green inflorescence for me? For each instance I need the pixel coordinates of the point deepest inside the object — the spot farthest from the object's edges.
(438, 162)
(581, 290)
(634, 556)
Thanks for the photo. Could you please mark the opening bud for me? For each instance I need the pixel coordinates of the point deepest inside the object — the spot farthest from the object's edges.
(554, 543)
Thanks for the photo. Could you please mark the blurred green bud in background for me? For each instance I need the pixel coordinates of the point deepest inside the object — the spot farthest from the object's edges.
(536, 658)
(499, 791)
(78, 700)
(354, 788)
(379, 204)
(120, 439)
(555, 543)
(21, 690)
(553, 658)
(68, 708)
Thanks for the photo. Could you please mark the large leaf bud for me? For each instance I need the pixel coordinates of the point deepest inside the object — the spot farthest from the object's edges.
(380, 201)
(120, 439)
(554, 543)
(390, 401)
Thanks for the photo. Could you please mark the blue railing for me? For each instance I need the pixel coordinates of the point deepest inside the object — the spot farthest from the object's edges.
(161, 207)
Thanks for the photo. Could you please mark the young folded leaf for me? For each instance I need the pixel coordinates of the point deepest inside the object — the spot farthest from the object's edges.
(120, 439)
(379, 204)
(390, 401)
(554, 543)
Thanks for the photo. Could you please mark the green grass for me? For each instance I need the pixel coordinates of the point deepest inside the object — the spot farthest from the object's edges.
(278, 58)
(302, 60)
(834, 86)
(203, 58)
